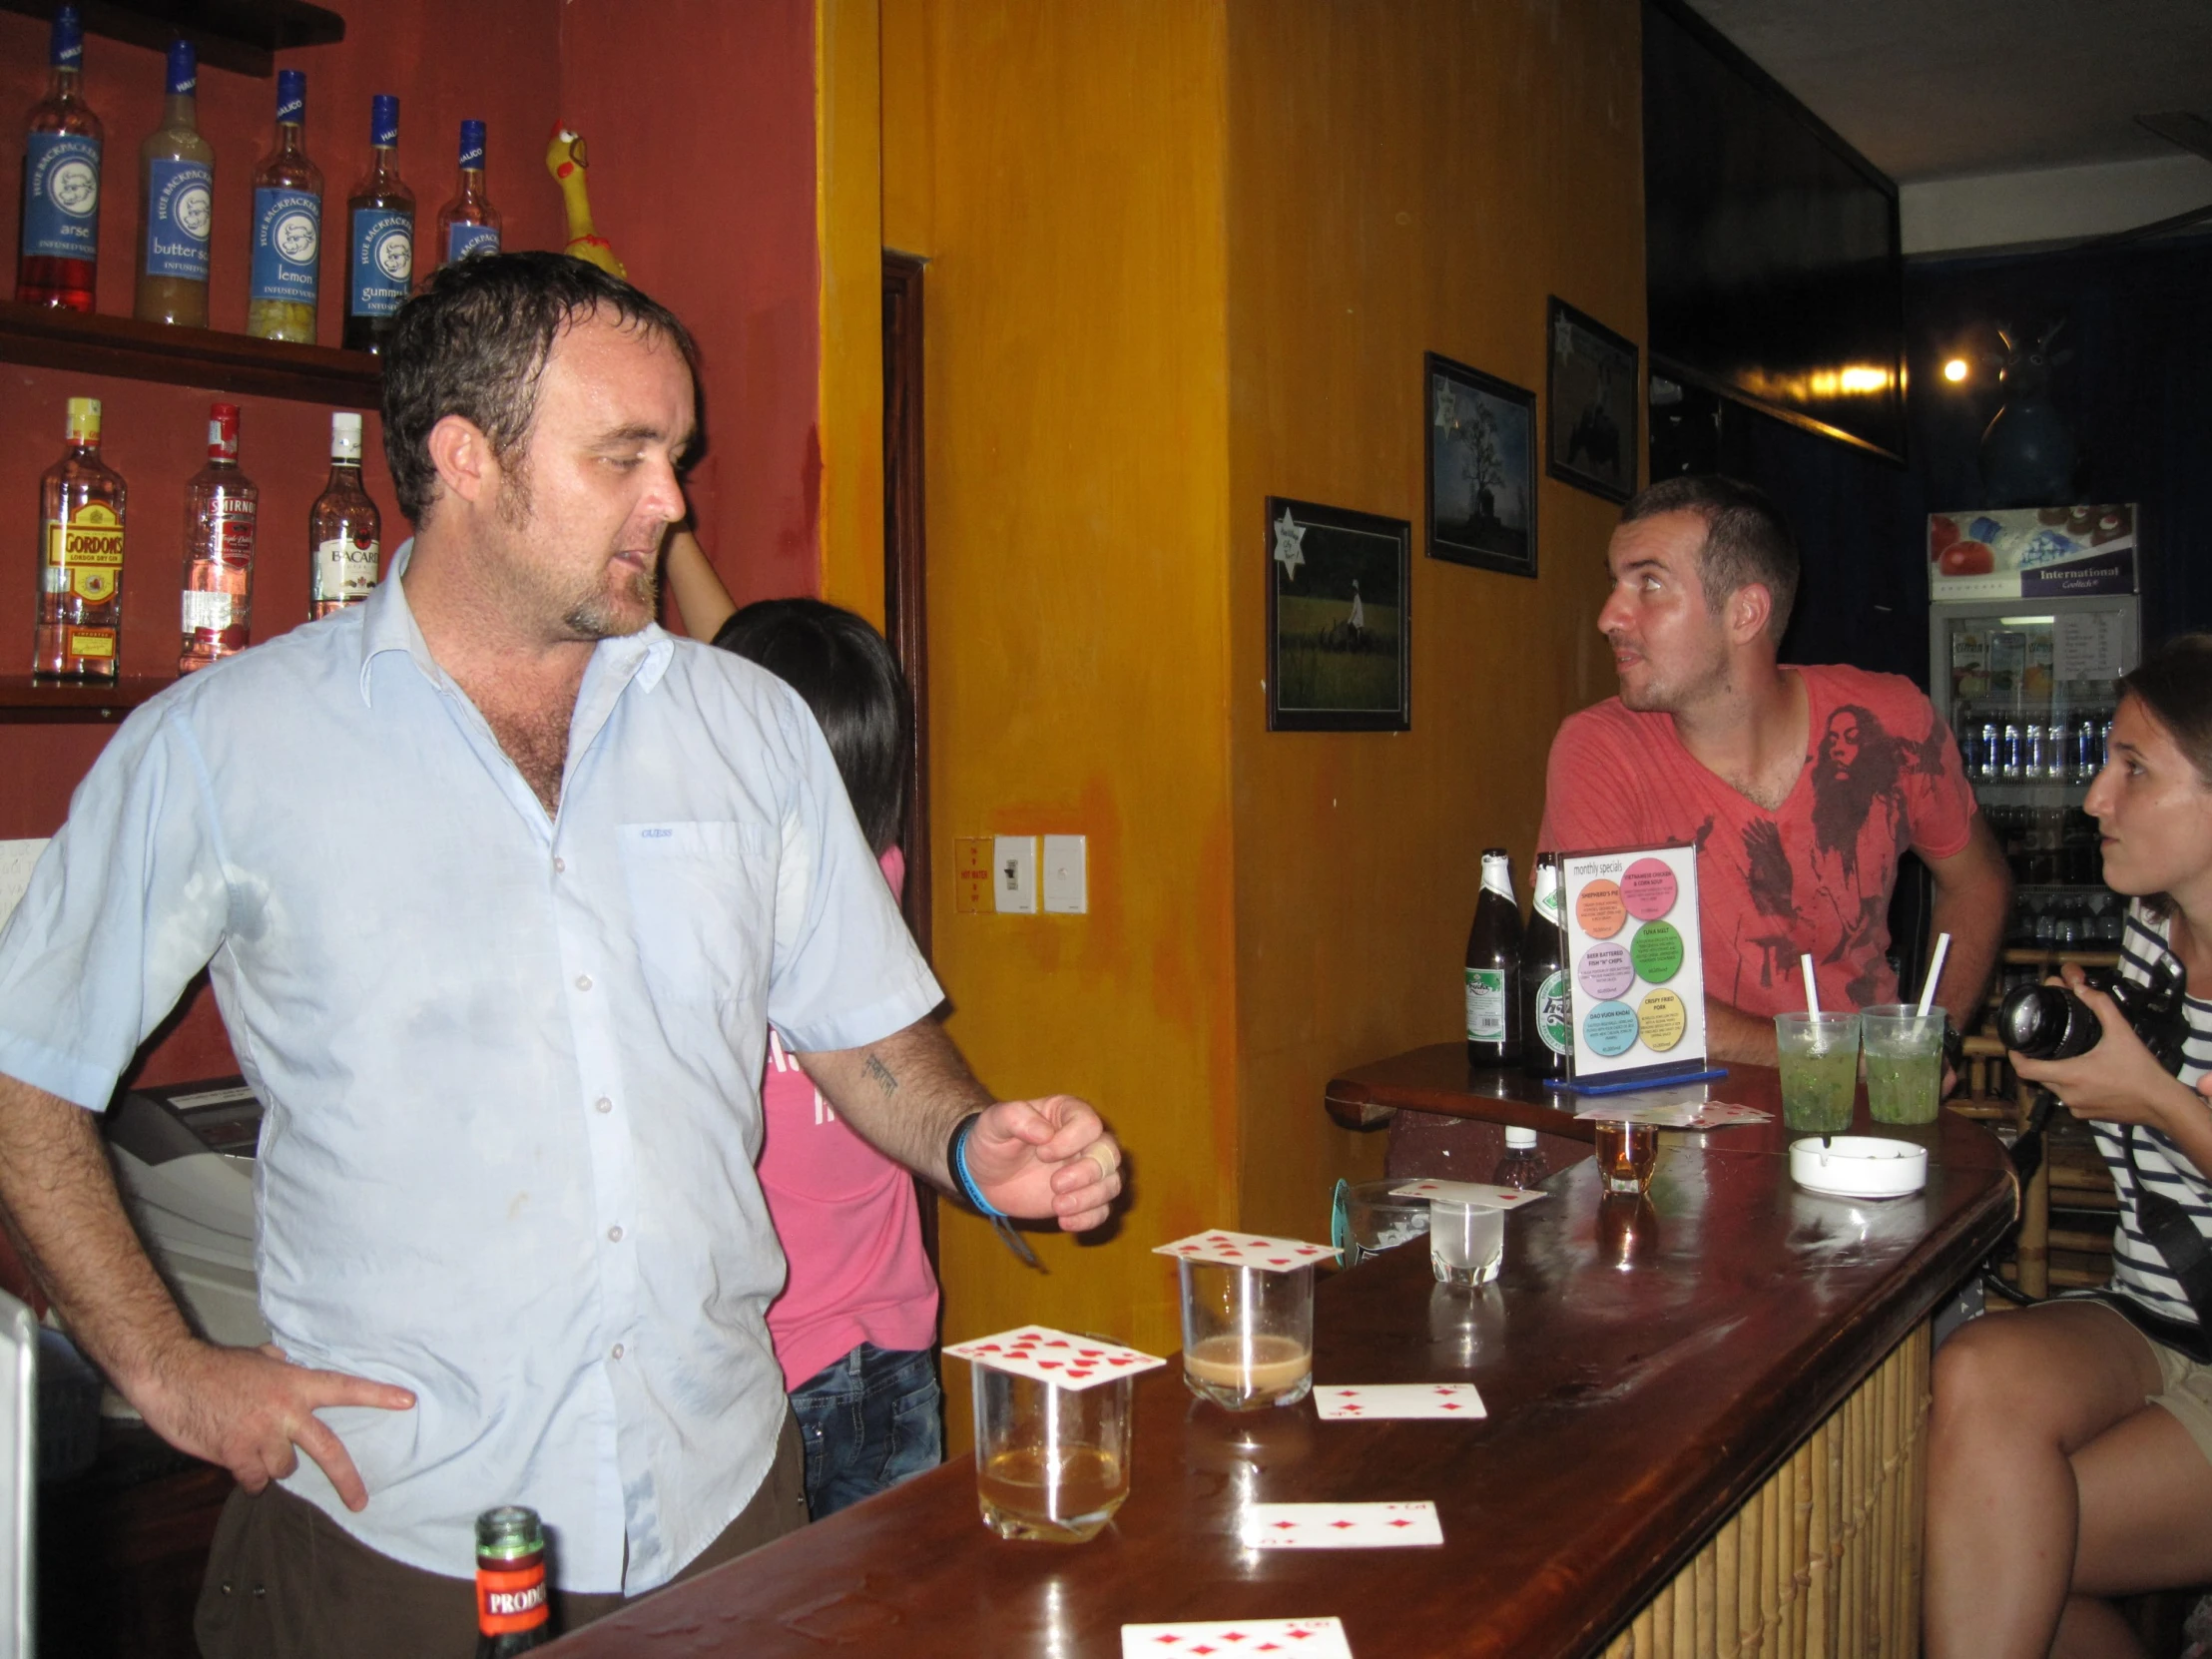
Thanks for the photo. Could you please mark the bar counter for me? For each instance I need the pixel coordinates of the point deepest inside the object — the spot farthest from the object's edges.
(1705, 1415)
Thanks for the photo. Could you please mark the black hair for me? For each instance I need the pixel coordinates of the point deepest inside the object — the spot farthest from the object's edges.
(2174, 685)
(473, 344)
(1747, 539)
(844, 671)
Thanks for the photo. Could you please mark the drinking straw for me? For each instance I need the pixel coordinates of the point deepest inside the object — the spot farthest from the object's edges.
(1812, 990)
(1934, 971)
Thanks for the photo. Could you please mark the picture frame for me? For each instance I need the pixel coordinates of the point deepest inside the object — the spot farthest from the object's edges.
(1592, 400)
(1480, 452)
(1339, 618)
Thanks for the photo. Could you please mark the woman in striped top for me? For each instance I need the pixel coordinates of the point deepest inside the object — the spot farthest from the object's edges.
(2070, 1445)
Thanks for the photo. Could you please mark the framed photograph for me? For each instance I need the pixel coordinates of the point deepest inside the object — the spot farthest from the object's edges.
(1340, 646)
(1482, 468)
(1591, 395)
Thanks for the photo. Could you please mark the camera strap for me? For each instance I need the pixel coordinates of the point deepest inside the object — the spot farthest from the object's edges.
(2167, 1227)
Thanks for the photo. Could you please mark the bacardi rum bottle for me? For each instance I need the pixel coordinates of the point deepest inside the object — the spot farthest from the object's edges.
(380, 219)
(513, 1610)
(61, 182)
(176, 203)
(344, 527)
(468, 224)
(221, 515)
(80, 597)
(288, 226)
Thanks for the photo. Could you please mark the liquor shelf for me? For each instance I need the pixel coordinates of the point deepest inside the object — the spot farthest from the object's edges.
(46, 337)
(239, 35)
(27, 701)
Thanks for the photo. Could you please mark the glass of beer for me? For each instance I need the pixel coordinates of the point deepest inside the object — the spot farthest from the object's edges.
(1905, 1062)
(1819, 1071)
(1627, 1153)
(1247, 1333)
(1467, 1242)
(1051, 1464)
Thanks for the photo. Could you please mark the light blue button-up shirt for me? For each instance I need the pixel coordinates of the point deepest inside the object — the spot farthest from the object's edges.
(510, 1065)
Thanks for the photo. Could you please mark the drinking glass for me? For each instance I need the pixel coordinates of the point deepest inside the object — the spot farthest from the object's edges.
(1248, 1334)
(1051, 1464)
(1819, 1071)
(1467, 1242)
(1627, 1153)
(1905, 1062)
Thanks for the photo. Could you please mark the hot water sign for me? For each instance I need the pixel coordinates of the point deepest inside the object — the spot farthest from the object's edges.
(1635, 961)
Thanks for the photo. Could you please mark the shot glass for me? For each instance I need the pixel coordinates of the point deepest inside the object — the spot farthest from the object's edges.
(1819, 1071)
(1247, 1333)
(1627, 1153)
(1051, 1464)
(1467, 1242)
(1905, 1062)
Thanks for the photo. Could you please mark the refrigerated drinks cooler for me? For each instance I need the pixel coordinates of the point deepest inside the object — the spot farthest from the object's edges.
(2032, 618)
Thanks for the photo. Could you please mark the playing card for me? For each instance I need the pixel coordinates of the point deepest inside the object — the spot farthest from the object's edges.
(1720, 1114)
(1048, 1356)
(1340, 1525)
(1398, 1400)
(1247, 1249)
(1470, 1192)
(1309, 1638)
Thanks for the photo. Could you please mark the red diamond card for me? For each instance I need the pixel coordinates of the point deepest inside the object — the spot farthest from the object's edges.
(1227, 1638)
(1340, 1525)
(1057, 1357)
(1247, 1249)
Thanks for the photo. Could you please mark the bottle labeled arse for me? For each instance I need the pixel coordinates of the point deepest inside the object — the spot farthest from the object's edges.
(1547, 1032)
(59, 254)
(1494, 965)
(513, 1606)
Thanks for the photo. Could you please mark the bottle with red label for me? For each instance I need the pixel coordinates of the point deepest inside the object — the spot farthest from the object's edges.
(59, 252)
(222, 518)
(513, 1608)
(78, 633)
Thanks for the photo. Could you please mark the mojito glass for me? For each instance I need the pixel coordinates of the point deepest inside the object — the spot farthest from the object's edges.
(1819, 1071)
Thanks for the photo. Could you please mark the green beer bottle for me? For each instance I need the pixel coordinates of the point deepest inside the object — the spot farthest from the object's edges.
(513, 1608)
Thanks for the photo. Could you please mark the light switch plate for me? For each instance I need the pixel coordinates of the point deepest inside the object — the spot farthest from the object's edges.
(1014, 874)
(1066, 876)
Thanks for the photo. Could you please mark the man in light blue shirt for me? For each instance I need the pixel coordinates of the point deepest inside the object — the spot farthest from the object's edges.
(498, 886)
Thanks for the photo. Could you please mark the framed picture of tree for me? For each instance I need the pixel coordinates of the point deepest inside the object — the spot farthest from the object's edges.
(1482, 449)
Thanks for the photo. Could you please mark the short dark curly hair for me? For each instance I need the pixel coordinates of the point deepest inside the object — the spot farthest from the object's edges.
(474, 343)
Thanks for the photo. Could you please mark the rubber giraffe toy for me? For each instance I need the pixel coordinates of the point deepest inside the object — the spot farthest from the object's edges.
(564, 159)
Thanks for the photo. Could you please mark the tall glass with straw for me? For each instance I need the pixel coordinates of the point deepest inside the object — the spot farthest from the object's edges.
(1905, 1054)
(1819, 1054)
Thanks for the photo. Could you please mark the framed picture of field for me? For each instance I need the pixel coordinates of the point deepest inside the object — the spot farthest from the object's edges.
(1482, 468)
(1591, 395)
(1340, 647)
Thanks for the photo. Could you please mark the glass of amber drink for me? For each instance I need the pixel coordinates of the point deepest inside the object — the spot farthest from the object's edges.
(1051, 1464)
(1627, 1153)
(1247, 1333)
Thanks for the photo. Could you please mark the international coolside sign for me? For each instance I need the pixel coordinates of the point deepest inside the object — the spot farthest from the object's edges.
(2032, 552)
(1636, 963)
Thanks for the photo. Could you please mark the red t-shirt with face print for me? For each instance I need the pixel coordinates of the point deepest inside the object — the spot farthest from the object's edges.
(1882, 775)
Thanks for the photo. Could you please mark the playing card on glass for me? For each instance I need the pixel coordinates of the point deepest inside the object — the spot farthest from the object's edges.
(1311, 1638)
(1723, 1114)
(1470, 1192)
(1340, 1525)
(1247, 1249)
(1049, 1356)
(1348, 1402)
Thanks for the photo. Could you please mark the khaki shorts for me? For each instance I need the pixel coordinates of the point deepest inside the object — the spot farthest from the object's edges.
(2185, 1389)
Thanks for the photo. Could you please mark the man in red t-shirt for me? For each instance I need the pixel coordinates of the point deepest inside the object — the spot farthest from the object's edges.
(1801, 786)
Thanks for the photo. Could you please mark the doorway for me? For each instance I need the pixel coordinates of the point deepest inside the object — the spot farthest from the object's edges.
(906, 612)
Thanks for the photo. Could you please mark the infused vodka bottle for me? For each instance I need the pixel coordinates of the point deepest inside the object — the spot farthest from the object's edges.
(78, 633)
(468, 224)
(60, 251)
(344, 527)
(288, 226)
(380, 222)
(176, 203)
(221, 517)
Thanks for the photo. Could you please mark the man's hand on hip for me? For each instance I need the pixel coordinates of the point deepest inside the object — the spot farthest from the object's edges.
(1051, 1157)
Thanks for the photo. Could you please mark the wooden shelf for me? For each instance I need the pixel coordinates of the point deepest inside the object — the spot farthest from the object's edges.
(27, 701)
(46, 337)
(2015, 957)
(241, 35)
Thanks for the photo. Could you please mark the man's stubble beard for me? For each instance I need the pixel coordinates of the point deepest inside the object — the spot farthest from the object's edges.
(589, 615)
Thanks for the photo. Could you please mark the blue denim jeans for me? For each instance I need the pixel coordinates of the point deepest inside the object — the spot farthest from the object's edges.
(868, 1421)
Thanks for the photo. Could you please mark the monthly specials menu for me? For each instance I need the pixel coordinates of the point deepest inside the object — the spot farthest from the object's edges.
(1636, 963)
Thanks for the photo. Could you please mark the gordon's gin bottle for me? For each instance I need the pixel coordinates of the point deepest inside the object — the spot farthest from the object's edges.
(78, 633)
(342, 527)
(221, 517)
(60, 250)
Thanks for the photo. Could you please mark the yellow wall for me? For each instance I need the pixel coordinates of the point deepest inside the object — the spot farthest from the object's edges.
(1403, 177)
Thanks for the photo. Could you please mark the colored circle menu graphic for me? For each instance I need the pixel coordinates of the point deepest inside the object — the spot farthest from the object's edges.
(1605, 971)
(1662, 1019)
(1611, 1028)
(1656, 952)
(1599, 910)
(1649, 889)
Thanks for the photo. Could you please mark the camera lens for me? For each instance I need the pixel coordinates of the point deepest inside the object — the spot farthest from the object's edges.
(2046, 1022)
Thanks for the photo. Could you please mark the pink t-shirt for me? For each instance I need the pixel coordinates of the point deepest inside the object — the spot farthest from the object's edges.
(849, 1222)
(1883, 776)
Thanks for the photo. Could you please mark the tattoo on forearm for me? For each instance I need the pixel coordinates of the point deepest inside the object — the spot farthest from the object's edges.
(882, 1075)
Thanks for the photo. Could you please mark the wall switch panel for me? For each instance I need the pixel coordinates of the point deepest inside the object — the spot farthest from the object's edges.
(1014, 874)
(1066, 876)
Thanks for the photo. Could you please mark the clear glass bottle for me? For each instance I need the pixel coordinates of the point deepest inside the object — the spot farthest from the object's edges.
(221, 519)
(60, 250)
(79, 631)
(344, 527)
(468, 224)
(176, 203)
(379, 218)
(288, 226)
(1522, 1166)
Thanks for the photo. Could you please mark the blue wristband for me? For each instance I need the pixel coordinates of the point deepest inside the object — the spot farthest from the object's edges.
(962, 1177)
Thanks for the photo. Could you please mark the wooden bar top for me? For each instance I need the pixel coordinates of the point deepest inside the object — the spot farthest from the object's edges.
(1645, 1365)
